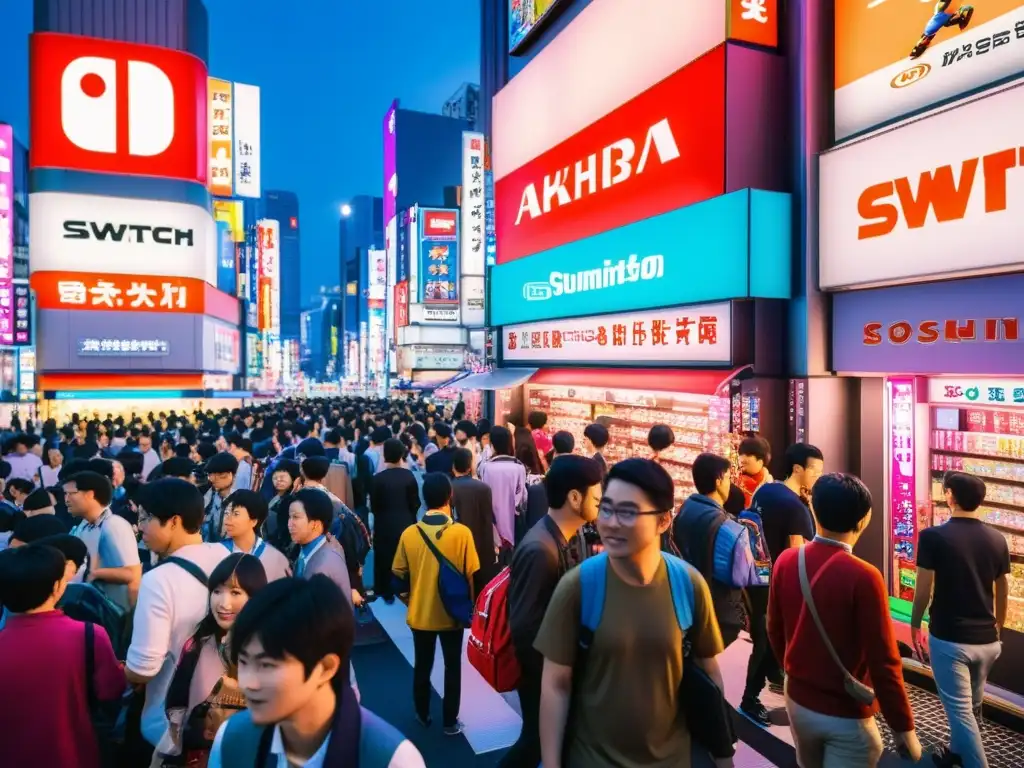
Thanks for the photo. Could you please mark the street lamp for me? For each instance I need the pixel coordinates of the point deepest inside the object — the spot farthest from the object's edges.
(346, 210)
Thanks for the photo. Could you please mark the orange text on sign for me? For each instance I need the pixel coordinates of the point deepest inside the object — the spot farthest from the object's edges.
(931, 331)
(132, 293)
(941, 191)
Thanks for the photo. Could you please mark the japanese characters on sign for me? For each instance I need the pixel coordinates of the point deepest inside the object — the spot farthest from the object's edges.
(221, 132)
(22, 298)
(976, 391)
(754, 21)
(268, 233)
(439, 256)
(694, 335)
(902, 491)
(472, 207)
(81, 290)
(247, 140)
(121, 347)
(6, 234)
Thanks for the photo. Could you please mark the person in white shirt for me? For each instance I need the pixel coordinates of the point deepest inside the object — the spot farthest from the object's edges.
(150, 458)
(49, 473)
(24, 463)
(173, 595)
(245, 512)
(114, 565)
(291, 643)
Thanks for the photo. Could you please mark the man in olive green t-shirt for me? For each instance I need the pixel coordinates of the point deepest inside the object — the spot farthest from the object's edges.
(626, 713)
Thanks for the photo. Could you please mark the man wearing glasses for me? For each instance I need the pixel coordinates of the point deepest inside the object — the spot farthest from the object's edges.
(626, 710)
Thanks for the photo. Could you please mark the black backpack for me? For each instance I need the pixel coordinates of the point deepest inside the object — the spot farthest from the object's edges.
(86, 603)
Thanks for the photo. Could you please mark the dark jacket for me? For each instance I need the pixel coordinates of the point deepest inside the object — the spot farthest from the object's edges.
(394, 501)
(441, 460)
(694, 531)
(471, 506)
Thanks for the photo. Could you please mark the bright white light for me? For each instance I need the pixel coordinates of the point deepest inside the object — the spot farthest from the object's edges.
(346, 210)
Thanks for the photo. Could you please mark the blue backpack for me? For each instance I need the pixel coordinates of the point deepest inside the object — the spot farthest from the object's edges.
(752, 521)
(728, 558)
(593, 584)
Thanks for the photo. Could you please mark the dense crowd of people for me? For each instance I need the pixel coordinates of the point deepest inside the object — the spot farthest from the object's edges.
(182, 590)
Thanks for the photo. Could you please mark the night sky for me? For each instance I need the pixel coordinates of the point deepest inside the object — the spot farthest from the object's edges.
(328, 70)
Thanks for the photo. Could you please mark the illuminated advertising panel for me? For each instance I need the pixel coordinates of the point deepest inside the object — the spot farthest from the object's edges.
(525, 18)
(754, 21)
(6, 234)
(247, 140)
(75, 233)
(221, 138)
(231, 212)
(115, 107)
(472, 205)
(898, 57)
(130, 293)
(574, 82)
(227, 269)
(659, 151)
(269, 254)
(390, 165)
(439, 256)
(909, 204)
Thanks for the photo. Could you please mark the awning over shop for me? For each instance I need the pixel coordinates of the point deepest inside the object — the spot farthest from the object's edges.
(700, 382)
(499, 378)
(450, 383)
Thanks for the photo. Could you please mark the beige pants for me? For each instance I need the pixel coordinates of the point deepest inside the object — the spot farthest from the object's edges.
(824, 741)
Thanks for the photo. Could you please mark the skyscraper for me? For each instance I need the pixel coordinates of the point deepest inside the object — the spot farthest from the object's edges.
(283, 207)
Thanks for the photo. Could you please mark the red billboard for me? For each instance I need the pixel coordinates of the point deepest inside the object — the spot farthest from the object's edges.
(114, 107)
(401, 306)
(440, 225)
(660, 151)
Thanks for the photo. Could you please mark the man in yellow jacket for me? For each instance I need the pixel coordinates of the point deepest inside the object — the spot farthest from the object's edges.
(417, 569)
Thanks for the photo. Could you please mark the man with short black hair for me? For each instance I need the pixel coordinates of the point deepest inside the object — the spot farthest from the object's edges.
(245, 514)
(660, 438)
(472, 506)
(968, 563)
(173, 596)
(114, 565)
(241, 448)
(563, 444)
(626, 701)
(695, 530)
(310, 515)
(595, 438)
(346, 528)
(418, 569)
(829, 725)
(540, 561)
(395, 503)
(291, 643)
(754, 453)
(221, 470)
(441, 459)
(38, 503)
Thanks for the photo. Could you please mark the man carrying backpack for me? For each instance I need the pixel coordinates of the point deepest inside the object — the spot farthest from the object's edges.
(716, 545)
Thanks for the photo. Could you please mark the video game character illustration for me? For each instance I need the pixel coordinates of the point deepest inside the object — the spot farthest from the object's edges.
(942, 18)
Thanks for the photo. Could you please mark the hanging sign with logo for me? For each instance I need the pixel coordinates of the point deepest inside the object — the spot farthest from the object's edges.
(221, 138)
(135, 293)
(401, 306)
(754, 21)
(696, 335)
(6, 234)
(439, 256)
(247, 157)
(116, 107)
(946, 208)
(661, 150)
(472, 204)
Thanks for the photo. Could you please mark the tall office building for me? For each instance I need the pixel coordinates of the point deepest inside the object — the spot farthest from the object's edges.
(359, 229)
(283, 207)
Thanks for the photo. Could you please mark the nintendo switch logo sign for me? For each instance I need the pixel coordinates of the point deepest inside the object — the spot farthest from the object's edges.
(112, 107)
(440, 225)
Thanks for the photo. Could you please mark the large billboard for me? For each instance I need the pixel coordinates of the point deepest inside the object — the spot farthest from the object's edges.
(524, 18)
(247, 140)
(439, 256)
(221, 121)
(115, 107)
(735, 245)
(471, 206)
(269, 254)
(127, 293)
(6, 234)
(900, 56)
(574, 81)
(958, 326)
(659, 151)
(390, 164)
(684, 336)
(79, 233)
(910, 204)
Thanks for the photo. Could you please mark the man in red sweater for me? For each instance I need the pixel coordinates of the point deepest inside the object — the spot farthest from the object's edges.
(829, 726)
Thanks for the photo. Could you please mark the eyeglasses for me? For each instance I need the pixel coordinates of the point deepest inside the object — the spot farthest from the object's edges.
(626, 513)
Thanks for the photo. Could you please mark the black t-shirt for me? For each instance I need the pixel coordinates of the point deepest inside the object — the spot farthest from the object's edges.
(539, 562)
(967, 557)
(783, 515)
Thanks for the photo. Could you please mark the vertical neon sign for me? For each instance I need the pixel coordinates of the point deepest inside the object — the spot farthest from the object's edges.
(901, 488)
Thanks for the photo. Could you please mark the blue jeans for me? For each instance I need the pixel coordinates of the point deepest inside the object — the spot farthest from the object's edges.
(960, 673)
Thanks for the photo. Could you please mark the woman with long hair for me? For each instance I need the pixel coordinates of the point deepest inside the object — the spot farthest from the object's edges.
(204, 691)
(527, 453)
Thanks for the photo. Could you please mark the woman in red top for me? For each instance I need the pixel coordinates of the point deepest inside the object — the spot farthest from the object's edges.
(829, 725)
(44, 704)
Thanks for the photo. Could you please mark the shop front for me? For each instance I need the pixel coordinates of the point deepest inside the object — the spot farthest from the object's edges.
(920, 240)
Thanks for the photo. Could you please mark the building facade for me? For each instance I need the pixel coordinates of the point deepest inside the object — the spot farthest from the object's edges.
(358, 232)
(283, 207)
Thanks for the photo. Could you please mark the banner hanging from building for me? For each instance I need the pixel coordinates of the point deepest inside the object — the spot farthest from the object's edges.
(472, 204)
(268, 240)
(247, 140)
(220, 120)
(6, 234)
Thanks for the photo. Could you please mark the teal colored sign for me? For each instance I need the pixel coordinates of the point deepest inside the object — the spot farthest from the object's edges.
(735, 246)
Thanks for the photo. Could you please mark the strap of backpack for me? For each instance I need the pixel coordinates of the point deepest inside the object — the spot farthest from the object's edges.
(708, 572)
(681, 586)
(90, 665)
(593, 585)
(263, 751)
(189, 566)
(441, 559)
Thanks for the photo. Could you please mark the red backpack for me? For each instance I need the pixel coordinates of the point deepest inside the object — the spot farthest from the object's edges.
(490, 648)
